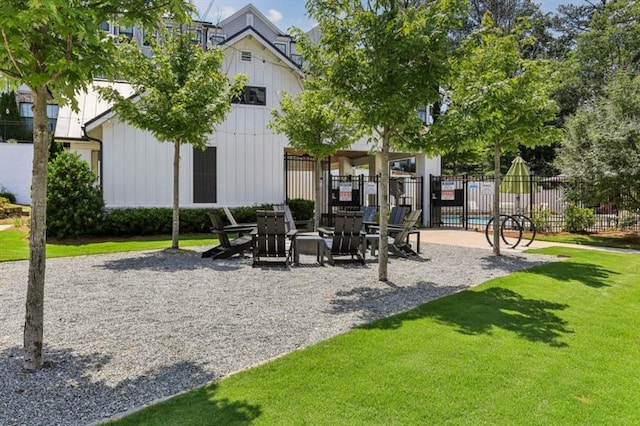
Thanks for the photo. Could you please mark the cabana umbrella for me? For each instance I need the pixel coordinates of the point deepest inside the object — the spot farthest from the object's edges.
(516, 180)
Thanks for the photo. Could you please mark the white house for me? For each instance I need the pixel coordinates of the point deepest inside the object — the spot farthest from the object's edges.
(244, 163)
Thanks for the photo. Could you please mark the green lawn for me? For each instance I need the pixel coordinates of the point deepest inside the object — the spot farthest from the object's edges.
(630, 241)
(558, 344)
(16, 247)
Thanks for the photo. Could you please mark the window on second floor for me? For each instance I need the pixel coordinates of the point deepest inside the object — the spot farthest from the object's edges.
(281, 47)
(252, 95)
(104, 26)
(196, 36)
(126, 32)
(216, 39)
(297, 59)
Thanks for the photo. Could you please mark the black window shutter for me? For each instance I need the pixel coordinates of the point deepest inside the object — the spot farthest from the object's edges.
(204, 175)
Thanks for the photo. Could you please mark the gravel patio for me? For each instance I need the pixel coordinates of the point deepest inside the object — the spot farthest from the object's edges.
(123, 330)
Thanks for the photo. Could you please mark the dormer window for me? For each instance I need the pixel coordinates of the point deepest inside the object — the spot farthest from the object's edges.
(297, 59)
(281, 47)
(216, 39)
(245, 56)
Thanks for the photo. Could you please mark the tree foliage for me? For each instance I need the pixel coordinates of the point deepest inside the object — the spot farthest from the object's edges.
(385, 59)
(56, 47)
(497, 101)
(602, 144)
(317, 123)
(182, 95)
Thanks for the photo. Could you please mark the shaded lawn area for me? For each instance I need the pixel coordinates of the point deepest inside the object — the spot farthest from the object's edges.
(15, 245)
(619, 240)
(558, 344)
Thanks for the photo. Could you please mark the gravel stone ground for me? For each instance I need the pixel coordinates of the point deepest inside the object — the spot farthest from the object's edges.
(122, 330)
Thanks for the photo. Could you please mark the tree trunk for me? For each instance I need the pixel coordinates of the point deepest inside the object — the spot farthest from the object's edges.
(318, 187)
(175, 228)
(34, 315)
(496, 200)
(383, 252)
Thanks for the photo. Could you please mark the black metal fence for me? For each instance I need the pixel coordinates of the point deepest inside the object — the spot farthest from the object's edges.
(21, 131)
(554, 204)
(347, 192)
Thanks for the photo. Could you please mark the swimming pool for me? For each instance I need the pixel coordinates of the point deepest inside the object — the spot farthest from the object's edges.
(457, 220)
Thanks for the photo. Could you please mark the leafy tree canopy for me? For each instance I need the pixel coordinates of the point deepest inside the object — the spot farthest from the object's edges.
(59, 44)
(602, 143)
(385, 58)
(182, 90)
(496, 96)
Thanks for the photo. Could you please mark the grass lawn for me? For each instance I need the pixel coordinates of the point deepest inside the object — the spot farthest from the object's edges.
(558, 344)
(628, 240)
(15, 245)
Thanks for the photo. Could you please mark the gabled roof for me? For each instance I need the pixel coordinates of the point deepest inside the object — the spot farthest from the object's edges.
(250, 8)
(251, 32)
(69, 123)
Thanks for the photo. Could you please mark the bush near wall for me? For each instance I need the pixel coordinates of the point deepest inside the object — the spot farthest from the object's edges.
(157, 221)
(301, 209)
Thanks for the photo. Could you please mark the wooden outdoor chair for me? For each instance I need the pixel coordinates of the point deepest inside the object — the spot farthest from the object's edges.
(270, 238)
(346, 238)
(398, 238)
(227, 247)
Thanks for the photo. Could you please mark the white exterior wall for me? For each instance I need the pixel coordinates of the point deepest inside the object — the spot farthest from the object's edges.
(16, 162)
(250, 158)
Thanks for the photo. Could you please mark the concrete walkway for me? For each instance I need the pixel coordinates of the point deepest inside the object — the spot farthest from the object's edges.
(476, 239)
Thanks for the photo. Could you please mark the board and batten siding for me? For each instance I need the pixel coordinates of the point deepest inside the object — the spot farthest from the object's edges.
(250, 157)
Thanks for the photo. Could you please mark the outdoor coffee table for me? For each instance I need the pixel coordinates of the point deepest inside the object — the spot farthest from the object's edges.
(309, 244)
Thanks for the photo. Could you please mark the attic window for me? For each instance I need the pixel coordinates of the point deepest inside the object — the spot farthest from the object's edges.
(246, 56)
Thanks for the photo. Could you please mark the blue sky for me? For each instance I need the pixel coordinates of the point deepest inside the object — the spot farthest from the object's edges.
(288, 13)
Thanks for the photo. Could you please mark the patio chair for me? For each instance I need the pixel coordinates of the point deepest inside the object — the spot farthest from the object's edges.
(227, 247)
(398, 238)
(232, 220)
(270, 238)
(346, 238)
(291, 223)
(396, 219)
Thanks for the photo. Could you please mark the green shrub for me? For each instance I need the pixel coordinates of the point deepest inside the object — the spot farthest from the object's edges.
(301, 209)
(3, 201)
(541, 220)
(8, 195)
(577, 219)
(74, 201)
(153, 221)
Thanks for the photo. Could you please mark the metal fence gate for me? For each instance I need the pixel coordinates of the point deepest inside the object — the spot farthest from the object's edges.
(467, 202)
(346, 192)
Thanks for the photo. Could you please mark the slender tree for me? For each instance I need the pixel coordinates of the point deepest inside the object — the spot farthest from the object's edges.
(182, 94)
(316, 123)
(56, 47)
(498, 101)
(386, 59)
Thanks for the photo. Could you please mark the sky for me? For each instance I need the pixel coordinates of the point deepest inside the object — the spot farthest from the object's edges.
(291, 13)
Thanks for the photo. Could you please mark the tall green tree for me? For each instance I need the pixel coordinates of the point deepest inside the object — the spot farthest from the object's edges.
(317, 123)
(498, 101)
(182, 95)
(602, 144)
(385, 58)
(56, 47)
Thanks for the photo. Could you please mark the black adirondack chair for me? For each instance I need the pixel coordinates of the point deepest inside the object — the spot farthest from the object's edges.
(227, 247)
(270, 238)
(346, 237)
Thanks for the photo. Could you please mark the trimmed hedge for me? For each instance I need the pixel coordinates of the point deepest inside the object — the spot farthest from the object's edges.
(156, 221)
(301, 209)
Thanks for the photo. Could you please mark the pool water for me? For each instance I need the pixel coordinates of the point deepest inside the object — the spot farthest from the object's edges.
(457, 220)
